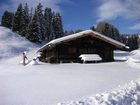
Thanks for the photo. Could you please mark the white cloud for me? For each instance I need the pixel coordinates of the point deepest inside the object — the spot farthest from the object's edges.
(135, 27)
(54, 4)
(112, 9)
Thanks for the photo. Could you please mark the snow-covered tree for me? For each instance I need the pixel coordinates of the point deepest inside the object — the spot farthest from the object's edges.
(33, 29)
(26, 13)
(48, 22)
(25, 20)
(41, 21)
(18, 21)
(43, 24)
(31, 12)
(57, 26)
(7, 19)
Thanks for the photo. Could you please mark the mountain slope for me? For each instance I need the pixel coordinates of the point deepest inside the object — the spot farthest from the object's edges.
(12, 44)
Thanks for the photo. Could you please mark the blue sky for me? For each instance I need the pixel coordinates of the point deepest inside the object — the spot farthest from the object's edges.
(82, 14)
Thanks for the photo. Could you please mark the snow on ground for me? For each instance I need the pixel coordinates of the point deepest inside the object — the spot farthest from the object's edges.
(12, 44)
(133, 59)
(128, 94)
(45, 84)
(121, 55)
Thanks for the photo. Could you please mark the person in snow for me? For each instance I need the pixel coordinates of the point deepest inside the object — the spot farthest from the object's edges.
(24, 58)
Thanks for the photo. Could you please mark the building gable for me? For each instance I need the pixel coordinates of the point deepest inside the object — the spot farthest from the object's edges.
(91, 33)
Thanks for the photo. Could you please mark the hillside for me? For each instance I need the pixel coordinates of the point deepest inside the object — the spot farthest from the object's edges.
(12, 44)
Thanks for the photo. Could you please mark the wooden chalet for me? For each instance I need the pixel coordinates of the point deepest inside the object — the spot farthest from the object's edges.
(69, 48)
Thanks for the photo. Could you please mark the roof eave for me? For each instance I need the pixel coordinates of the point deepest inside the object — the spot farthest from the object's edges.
(55, 42)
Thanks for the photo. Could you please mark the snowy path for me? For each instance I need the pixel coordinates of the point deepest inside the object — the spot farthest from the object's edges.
(50, 84)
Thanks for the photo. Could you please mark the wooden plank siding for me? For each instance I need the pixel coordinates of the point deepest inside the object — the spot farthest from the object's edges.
(71, 50)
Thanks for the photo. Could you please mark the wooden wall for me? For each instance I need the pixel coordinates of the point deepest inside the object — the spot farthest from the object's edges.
(70, 51)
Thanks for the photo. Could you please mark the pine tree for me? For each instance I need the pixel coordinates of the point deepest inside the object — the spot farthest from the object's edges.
(41, 21)
(57, 26)
(68, 32)
(52, 35)
(31, 13)
(26, 13)
(7, 19)
(92, 28)
(25, 20)
(18, 20)
(33, 30)
(39, 26)
(78, 30)
(48, 23)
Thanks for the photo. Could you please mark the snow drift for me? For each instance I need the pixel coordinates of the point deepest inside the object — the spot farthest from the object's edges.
(12, 44)
(133, 59)
(126, 95)
(135, 54)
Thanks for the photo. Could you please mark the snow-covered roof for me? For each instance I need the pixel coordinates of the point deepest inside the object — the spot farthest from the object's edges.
(82, 34)
(90, 57)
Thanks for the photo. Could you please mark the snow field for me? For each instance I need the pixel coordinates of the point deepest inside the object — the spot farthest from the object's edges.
(133, 60)
(46, 84)
(126, 95)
